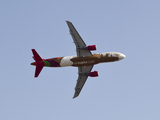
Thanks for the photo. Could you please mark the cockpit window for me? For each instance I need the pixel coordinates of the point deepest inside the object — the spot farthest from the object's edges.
(113, 54)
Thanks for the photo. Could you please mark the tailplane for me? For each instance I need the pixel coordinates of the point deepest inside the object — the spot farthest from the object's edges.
(38, 62)
(38, 70)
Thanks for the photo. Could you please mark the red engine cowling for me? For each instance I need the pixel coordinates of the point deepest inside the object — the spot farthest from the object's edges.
(94, 74)
(92, 47)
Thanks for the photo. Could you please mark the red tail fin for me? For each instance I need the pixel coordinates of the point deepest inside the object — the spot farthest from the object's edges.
(39, 62)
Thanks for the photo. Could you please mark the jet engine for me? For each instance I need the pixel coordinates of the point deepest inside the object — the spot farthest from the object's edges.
(91, 47)
(93, 74)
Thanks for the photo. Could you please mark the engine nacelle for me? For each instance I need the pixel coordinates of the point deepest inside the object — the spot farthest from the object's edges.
(91, 47)
(93, 74)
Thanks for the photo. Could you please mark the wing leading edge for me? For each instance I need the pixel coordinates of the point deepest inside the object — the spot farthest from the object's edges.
(80, 44)
(82, 71)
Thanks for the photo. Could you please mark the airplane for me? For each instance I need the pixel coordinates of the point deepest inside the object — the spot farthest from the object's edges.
(84, 60)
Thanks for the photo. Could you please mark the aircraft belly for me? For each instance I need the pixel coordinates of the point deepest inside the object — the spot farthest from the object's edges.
(66, 61)
(85, 63)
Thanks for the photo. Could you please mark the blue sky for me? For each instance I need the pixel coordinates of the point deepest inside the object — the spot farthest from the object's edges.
(125, 90)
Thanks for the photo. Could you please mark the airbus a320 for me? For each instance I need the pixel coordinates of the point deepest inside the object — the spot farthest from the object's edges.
(84, 59)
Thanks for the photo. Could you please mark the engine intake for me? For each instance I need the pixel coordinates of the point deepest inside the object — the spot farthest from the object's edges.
(91, 47)
(93, 74)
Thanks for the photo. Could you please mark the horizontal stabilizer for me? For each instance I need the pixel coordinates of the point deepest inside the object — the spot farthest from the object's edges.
(36, 56)
(38, 70)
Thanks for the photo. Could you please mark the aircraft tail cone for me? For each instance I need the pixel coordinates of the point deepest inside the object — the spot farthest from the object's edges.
(34, 63)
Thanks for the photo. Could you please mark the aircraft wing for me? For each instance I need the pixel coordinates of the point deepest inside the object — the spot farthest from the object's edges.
(82, 78)
(78, 41)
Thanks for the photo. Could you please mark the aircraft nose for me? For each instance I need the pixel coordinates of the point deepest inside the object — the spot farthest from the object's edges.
(121, 56)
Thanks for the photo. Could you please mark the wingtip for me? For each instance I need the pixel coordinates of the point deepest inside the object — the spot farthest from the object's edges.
(68, 21)
(32, 49)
